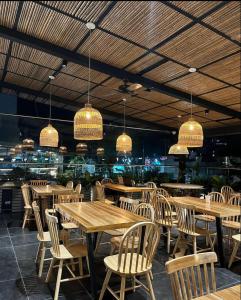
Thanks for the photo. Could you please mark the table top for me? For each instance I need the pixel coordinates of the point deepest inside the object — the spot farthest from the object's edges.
(47, 190)
(126, 189)
(97, 216)
(209, 207)
(226, 294)
(182, 186)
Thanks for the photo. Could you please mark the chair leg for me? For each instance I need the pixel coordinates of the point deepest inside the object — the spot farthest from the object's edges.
(149, 284)
(26, 213)
(37, 255)
(207, 228)
(112, 249)
(105, 283)
(176, 245)
(235, 250)
(122, 289)
(56, 294)
(98, 241)
(41, 261)
(50, 270)
(194, 240)
(81, 266)
(168, 239)
(88, 264)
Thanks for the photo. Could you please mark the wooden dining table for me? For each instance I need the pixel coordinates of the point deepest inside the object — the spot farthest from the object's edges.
(47, 190)
(218, 210)
(127, 189)
(231, 293)
(182, 186)
(94, 217)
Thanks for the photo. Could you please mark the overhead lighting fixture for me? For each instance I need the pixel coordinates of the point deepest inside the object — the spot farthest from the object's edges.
(124, 141)
(81, 148)
(28, 145)
(177, 149)
(63, 150)
(192, 70)
(88, 122)
(49, 136)
(12, 151)
(18, 149)
(51, 77)
(64, 63)
(100, 151)
(179, 116)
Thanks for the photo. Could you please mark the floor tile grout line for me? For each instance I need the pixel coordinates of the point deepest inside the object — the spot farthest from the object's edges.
(16, 259)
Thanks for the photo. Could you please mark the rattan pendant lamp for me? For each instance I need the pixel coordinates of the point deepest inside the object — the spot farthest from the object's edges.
(88, 122)
(124, 141)
(177, 149)
(191, 133)
(49, 136)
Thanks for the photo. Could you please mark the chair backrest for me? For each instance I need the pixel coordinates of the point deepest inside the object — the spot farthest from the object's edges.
(216, 197)
(64, 196)
(52, 222)
(78, 188)
(106, 180)
(100, 191)
(148, 196)
(235, 200)
(163, 192)
(134, 258)
(227, 192)
(26, 194)
(70, 185)
(38, 220)
(38, 182)
(185, 218)
(128, 203)
(188, 279)
(120, 179)
(151, 184)
(163, 211)
(145, 210)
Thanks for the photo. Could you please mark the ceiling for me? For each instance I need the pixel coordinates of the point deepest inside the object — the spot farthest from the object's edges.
(150, 42)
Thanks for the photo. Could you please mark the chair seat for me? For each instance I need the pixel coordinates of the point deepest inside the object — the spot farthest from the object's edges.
(111, 262)
(237, 237)
(27, 207)
(198, 232)
(71, 251)
(164, 223)
(69, 225)
(231, 224)
(46, 237)
(116, 232)
(206, 218)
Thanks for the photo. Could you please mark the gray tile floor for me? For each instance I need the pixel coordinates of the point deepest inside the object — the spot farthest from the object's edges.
(19, 280)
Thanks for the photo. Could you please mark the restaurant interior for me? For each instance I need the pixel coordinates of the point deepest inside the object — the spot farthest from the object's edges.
(120, 168)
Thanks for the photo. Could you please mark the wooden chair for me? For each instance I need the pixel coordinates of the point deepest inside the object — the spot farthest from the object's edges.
(187, 228)
(190, 275)
(120, 180)
(147, 196)
(100, 191)
(38, 182)
(62, 253)
(43, 238)
(162, 192)
(106, 180)
(78, 189)
(132, 261)
(164, 217)
(227, 192)
(28, 212)
(237, 241)
(70, 185)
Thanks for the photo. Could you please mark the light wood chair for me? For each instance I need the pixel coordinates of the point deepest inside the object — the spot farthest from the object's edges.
(38, 182)
(77, 190)
(164, 217)
(120, 180)
(28, 212)
(162, 192)
(151, 184)
(147, 196)
(106, 180)
(43, 238)
(132, 261)
(62, 253)
(70, 185)
(190, 276)
(187, 228)
(100, 191)
(237, 241)
(227, 192)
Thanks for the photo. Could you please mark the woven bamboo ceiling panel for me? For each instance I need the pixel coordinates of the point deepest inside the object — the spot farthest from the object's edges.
(225, 96)
(165, 112)
(232, 122)
(61, 92)
(185, 106)
(212, 124)
(148, 117)
(212, 115)
(235, 106)
(144, 62)
(238, 85)
(2, 61)
(140, 104)
(24, 81)
(8, 11)
(4, 44)
(156, 97)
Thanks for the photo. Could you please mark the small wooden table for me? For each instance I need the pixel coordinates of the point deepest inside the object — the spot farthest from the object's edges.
(94, 217)
(218, 210)
(232, 293)
(47, 190)
(182, 186)
(126, 189)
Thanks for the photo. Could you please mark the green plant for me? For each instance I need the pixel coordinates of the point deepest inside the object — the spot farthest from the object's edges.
(218, 181)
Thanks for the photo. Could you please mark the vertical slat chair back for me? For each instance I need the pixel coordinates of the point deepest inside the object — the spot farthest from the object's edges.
(216, 197)
(148, 196)
(185, 218)
(62, 196)
(26, 194)
(38, 182)
(227, 192)
(163, 211)
(145, 210)
(128, 203)
(163, 192)
(106, 180)
(38, 220)
(134, 257)
(151, 184)
(100, 191)
(52, 222)
(120, 180)
(78, 188)
(192, 276)
(235, 200)
(70, 185)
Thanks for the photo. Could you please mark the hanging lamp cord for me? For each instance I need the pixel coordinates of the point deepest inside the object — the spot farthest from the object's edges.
(89, 68)
(50, 100)
(124, 115)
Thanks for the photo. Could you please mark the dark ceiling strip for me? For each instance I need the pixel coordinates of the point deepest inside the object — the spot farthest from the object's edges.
(212, 91)
(155, 65)
(107, 69)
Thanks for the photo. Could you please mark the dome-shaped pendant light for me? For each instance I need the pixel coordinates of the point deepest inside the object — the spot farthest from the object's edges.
(177, 149)
(191, 133)
(28, 145)
(63, 150)
(124, 141)
(88, 122)
(49, 136)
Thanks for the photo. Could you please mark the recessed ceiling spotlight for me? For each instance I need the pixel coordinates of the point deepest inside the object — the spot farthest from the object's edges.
(192, 70)
(90, 25)
(64, 63)
(51, 77)
(179, 116)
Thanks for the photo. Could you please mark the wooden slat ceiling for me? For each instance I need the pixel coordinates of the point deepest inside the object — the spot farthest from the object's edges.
(151, 38)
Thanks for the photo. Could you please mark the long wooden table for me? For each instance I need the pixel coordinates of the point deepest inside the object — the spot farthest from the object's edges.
(232, 293)
(94, 217)
(218, 210)
(47, 190)
(126, 189)
(182, 186)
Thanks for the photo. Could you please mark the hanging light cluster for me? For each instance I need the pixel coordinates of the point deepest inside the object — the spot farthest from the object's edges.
(88, 122)
(28, 145)
(81, 148)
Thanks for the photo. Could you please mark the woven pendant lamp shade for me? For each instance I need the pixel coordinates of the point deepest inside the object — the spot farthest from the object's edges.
(49, 137)
(18, 148)
(191, 134)
(88, 124)
(28, 144)
(12, 151)
(63, 150)
(178, 149)
(81, 148)
(100, 151)
(124, 143)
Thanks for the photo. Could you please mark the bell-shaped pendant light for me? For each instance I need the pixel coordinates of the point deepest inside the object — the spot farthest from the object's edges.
(191, 133)
(100, 151)
(63, 150)
(12, 151)
(81, 148)
(49, 136)
(124, 141)
(28, 145)
(177, 149)
(88, 122)
(18, 148)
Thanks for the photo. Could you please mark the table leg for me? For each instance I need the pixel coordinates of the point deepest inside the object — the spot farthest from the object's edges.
(90, 248)
(220, 242)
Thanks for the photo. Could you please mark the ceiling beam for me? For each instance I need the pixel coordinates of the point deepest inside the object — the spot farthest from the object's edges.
(80, 59)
